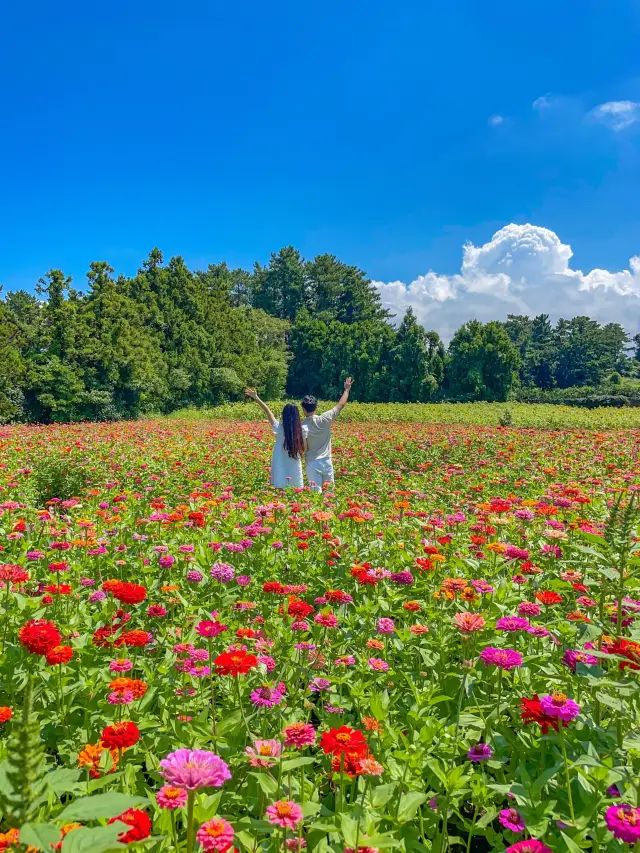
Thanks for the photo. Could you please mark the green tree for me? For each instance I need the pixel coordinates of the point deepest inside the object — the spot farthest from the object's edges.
(482, 362)
(412, 374)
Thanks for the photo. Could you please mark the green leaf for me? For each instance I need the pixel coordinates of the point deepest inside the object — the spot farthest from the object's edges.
(99, 839)
(40, 835)
(292, 763)
(349, 830)
(267, 783)
(572, 847)
(487, 818)
(100, 806)
(381, 841)
(382, 794)
(609, 701)
(64, 780)
(310, 808)
(409, 804)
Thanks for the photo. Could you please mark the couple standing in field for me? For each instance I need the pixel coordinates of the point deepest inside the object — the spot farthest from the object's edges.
(297, 437)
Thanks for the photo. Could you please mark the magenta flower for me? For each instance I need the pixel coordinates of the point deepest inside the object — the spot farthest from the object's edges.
(378, 664)
(170, 797)
(121, 665)
(480, 752)
(385, 626)
(404, 577)
(222, 572)
(560, 706)
(512, 819)
(529, 845)
(194, 576)
(529, 608)
(207, 628)
(503, 658)
(284, 813)
(193, 769)
(215, 834)
(166, 561)
(299, 735)
(573, 658)
(319, 685)
(266, 697)
(512, 623)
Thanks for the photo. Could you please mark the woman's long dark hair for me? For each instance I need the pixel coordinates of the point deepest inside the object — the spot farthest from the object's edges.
(292, 428)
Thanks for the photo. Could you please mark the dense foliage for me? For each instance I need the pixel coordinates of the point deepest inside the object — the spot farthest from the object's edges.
(441, 654)
(171, 337)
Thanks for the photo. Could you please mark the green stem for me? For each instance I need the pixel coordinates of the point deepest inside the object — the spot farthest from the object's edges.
(566, 770)
(364, 793)
(471, 828)
(190, 801)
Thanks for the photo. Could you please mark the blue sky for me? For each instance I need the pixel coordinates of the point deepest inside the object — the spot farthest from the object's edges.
(224, 131)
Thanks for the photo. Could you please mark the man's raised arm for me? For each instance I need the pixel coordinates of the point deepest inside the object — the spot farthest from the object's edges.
(342, 402)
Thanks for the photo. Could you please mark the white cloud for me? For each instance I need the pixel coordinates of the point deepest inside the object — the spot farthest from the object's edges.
(523, 269)
(542, 103)
(617, 114)
(496, 120)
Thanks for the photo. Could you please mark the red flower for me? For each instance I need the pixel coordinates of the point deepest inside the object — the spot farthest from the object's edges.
(128, 593)
(59, 654)
(336, 596)
(120, 735)
(626, 649)
(140, 824)
(38, 636)
(102, 636)
(344, 740)
(349, 764)
(274, 587)
(532, 713)
(547, 597)
(300, 609)
(5, 714)
(134, 638)
(235, 663)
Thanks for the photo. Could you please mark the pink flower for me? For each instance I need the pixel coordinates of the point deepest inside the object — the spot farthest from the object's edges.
(503, 658)
(512, 819)
(378, 664)
(263, 752)
(299, 735)
(328, 620)
(385, 626)
(559, 705)
(207, 628)
(124, 698)
(469, 622)
(193, 769)
(156, 610)
(266, 697)
(624, 822)
(530, 845)
(529, 608)
(170, 797)
(512, 623)
(284, 813)
(215, 834)
(121, 665)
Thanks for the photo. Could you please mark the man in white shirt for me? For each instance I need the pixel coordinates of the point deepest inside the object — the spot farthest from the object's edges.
(318, 454)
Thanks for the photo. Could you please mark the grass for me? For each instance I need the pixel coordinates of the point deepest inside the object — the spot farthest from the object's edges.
(523, 415)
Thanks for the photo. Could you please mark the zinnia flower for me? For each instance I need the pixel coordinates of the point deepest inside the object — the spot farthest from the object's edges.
(263, 752)
(560, 706)
(624, 822)
(140, 824)
(512, 819)
(120, 735)
(299, 735)
(344, 740)
(215, 834)
(480, 752)
(235, 663)
(530, 845)
(503, 658)
(170, 797)
(284, 813)
(193, 769)
(469, 622)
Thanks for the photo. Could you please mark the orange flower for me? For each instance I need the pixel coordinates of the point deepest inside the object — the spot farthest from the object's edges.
(496, 547)
(91, 757)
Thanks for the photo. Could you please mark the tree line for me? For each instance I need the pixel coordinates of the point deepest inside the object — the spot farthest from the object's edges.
(171, 337)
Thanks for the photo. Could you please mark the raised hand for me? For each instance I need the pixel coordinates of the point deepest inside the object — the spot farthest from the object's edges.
(348, 382)
(251, 392)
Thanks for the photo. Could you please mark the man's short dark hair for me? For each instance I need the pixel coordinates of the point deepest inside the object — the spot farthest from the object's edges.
(309, 403)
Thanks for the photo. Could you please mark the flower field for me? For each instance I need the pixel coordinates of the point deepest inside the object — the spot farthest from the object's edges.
(440, 653)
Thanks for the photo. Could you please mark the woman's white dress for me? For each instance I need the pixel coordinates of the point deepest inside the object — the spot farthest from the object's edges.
(285, 471)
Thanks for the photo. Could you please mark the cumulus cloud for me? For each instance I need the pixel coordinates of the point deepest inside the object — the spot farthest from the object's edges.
(523, 269)
(496, 120)
(617, 114)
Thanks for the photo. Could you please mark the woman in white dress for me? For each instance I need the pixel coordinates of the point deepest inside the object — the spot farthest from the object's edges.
(286, 460)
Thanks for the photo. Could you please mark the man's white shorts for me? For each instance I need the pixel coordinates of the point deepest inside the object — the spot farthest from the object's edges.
(319, 471)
